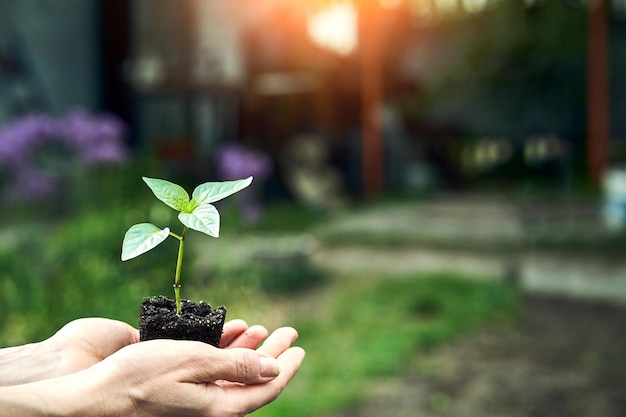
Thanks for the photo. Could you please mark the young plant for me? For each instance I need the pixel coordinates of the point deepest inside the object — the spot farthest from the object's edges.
(195, 213)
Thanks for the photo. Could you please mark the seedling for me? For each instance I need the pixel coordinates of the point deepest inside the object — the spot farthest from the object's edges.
(195, 213)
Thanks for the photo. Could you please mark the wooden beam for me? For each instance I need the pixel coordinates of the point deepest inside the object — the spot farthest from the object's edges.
(371, 54)
(598, 101)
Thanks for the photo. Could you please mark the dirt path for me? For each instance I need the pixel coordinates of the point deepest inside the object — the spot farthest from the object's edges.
(566, 358)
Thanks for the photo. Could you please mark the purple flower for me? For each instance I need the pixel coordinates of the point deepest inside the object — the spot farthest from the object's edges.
(20, 137)
(89, 139)
(236, 162)
(95, 139)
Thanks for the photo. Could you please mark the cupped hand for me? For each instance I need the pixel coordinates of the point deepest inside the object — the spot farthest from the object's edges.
(77, 346)
(160, 377)
(85, 342)
(184, 378)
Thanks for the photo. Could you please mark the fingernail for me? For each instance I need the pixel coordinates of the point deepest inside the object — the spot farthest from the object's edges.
(269, 367)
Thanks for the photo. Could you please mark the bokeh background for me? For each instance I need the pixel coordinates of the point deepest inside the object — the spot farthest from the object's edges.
(439, 198)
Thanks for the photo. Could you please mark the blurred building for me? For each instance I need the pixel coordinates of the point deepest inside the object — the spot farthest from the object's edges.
(189, 75)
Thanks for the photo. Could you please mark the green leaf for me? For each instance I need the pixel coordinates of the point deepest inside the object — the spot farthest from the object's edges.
(140, 238)
(204, 218)
(171, 194)
(210, 192)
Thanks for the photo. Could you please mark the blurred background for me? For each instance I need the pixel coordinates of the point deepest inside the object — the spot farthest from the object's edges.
(439, 198)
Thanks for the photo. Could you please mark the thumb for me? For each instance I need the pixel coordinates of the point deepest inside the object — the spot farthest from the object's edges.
(241, 365)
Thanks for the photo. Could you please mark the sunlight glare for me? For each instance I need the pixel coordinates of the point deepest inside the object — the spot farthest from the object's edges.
(335, 28)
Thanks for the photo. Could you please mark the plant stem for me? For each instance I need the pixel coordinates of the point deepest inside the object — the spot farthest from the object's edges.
(179, 265)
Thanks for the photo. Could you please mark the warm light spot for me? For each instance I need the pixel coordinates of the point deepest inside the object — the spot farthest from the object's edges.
(475, 5)
(335, 28)
(446, 5)
(390, 3)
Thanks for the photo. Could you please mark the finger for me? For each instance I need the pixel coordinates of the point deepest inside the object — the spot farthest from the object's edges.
(278, 341)
(245, 366)
(252, 397)
(117, 336)
(249, 339)
(289, 363)
(127, 334)
(232, 330)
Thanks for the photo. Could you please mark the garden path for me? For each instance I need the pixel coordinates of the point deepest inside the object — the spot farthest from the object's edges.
(561, 249)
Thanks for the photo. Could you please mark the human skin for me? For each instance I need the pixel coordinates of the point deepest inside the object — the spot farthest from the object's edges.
(82, 371)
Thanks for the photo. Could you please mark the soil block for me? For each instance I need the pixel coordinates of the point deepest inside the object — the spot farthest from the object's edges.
(158, 320)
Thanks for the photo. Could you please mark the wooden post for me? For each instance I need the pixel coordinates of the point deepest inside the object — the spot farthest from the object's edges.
(371, 54)
(598, 105)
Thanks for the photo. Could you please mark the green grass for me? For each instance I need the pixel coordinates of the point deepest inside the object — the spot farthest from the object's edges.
(369, 328)
(71, 269)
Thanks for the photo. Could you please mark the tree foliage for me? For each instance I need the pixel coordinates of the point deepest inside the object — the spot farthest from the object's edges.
(512, 68)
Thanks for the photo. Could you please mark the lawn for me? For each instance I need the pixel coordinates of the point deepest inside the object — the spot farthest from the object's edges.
(364, 328)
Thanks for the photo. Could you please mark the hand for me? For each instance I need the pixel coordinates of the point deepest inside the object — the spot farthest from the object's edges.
(85, 342)
(78, 345)
(168, 377)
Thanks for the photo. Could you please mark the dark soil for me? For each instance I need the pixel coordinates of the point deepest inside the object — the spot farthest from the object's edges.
(158, 320)
(564, 358)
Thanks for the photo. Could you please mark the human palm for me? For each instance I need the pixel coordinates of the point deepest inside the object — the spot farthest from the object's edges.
(84, 342)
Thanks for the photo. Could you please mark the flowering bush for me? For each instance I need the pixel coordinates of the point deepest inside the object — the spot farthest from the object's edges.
(37, 150)
(235, 161)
